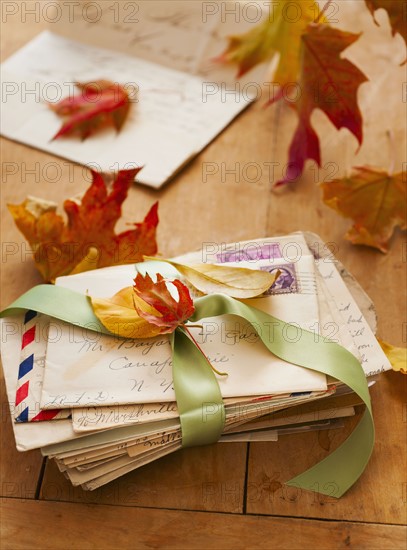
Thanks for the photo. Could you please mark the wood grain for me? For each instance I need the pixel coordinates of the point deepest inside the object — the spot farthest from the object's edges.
(378, 496)
(207, 478)
(79, 526)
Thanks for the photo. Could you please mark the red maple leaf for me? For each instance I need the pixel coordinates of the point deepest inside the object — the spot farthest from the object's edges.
(155, 304)
(397, 12)
(59, 247)
(330, 83)
(99, 104)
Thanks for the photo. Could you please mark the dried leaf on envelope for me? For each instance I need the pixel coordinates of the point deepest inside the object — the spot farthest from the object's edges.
(99, 104)
(396, 356)
(155, 304)
(118, 314)
(236, 282)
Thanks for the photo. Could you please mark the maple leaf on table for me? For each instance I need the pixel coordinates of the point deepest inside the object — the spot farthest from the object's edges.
(98, 105)
(277, 34)
(310, 57)
(59, 247)
(376, 202)
(397, 12)
(396, 356)
(155, 304)
(327, 82)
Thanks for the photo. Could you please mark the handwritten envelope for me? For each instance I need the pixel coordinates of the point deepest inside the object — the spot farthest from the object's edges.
(146, 29)
(170, 121)
(93, 370)
(349, 316)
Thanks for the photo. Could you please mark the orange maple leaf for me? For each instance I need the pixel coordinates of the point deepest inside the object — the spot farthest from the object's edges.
(397, 12)
(327, 82)
(60, 248)
(162, 309)
(100, 104)
(376, 202)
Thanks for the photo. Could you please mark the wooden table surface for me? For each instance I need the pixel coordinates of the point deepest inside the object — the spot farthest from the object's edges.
(230, 495)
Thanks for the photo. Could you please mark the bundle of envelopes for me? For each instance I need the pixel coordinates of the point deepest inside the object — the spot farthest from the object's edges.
(102, 406)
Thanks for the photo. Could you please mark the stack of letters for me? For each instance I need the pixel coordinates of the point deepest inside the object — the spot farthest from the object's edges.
(102, 406)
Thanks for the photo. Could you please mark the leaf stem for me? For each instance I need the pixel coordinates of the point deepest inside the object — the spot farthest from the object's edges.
(321, 13)
(201, 350)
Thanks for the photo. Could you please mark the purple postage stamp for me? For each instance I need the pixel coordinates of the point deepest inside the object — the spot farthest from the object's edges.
(250, 252)
(286, 282)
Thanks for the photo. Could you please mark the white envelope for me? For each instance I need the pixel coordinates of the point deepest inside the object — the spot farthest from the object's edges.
(169, 121)
(31, 373)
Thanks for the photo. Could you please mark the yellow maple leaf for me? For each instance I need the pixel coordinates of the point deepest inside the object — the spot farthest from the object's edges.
(119, 315)
(396, 356)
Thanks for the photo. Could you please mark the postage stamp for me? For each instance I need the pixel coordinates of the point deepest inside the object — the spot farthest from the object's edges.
(250, 252)
(286, 283)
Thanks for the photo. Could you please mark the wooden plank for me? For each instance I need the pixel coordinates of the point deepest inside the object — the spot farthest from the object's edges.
(64, 525)
(20, 26)
(206, 478)
(224, 207)
(378, 496)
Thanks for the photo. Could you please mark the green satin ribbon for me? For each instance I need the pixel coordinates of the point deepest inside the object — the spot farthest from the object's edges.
(335, 474)
(199, 400)
(197, 391)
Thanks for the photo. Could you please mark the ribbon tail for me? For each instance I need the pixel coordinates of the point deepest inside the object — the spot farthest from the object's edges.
(335, 474)
(199, 399)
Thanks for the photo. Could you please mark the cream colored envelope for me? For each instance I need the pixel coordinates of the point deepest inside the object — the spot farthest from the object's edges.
(237, 414)
(182, 96)
(372, 357)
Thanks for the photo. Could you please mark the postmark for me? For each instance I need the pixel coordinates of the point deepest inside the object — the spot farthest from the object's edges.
(286, 282)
